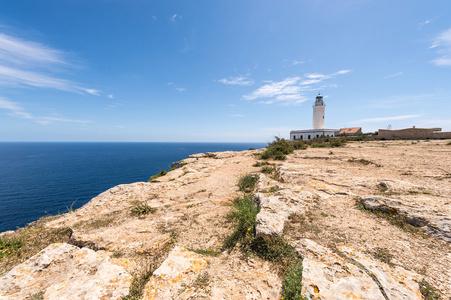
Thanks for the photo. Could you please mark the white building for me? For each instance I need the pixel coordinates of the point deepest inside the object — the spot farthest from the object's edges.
(317, 124)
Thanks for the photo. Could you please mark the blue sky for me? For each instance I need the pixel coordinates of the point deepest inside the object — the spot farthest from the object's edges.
(212, 71)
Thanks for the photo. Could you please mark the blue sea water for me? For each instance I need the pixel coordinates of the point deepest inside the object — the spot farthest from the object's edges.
(38, 179)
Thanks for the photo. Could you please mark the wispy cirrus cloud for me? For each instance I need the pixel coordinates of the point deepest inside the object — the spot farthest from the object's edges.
(18, 111)
(394, 75)
(289, 91)
(242, 80)
(385, 119)
(26, 63)
(443, 45)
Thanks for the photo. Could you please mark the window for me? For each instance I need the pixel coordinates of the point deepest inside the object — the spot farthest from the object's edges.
(302, 137)
(294, 137)
(308, 136)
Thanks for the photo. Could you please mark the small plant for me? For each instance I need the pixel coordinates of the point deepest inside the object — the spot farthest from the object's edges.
(208, 252)
(141, 208)
(277, 149)
(292, 282)
(162, 173)
(428, 292)
(267, 170)
(448, 144)
(331, 153)
(318, 145)
(8, 245)
(138, 284)
(251, 148)
(210, 155)
(259, 164)
(202, 191)
(383, 255)
(359, 138)
(38, 296)
(247, 183)
(71, 207)
(243, 220)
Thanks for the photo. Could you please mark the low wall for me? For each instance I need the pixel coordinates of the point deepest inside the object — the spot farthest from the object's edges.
(413, 133)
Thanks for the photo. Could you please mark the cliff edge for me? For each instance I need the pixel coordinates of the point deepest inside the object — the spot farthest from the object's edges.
(371, 220)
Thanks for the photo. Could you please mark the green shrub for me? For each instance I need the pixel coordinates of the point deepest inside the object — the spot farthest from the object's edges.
(278, 149)
(141, 208)
(162, 173)
(247, 183)
(359, 138)
(267, 170)
(292, 282)
(428, 292)
(243, 220)
(318, 145)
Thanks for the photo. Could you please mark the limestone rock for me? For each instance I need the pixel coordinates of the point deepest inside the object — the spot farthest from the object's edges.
(63, 271)
(438, 224)
(325, 275)
(179, 270)
(398, 283)
(276, 202)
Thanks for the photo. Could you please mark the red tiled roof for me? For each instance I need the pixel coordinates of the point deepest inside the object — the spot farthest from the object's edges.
(350, 130)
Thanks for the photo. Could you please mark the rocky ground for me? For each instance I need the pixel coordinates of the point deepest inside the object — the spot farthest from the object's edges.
(370, 220)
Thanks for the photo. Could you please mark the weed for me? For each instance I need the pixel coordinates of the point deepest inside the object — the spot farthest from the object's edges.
(259, 164)
(138, 283)
(324, 214)
(318, 145)
(71, 207)
(383, 255)
(274, 189)
(331, 153)
(38, 296)
(8, 245)
(247, 183)
(25, 242)
(396, 219)
(426, 192)
(208, 252)
(98, 223)
(428, 292)
(267, 170)
(292, 282)
(202, 281)
(202, 191)
(362, 161)
(117, 254)
(162, 173)
(449, 143)
(210, 155)
(243, 220)
(141, 208)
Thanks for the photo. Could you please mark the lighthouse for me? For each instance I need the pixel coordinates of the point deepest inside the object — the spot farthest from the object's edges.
(318, 113)
(318, 129)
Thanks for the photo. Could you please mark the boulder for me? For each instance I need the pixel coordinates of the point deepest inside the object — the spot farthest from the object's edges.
(63, 271)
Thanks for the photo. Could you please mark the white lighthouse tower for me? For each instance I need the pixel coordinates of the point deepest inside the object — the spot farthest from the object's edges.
(318, 113)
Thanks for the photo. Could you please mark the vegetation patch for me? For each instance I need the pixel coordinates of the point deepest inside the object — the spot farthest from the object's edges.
(292, 282)
(162, 173)
(428, 292)
(247, 183)
(278, 149)
(396, 219)
(261, 163)
(141, 208)
(208, 252)
(139, 282)
(25, 242)
(384, 255)
(38, 296)
(267, 170)
(210, 155)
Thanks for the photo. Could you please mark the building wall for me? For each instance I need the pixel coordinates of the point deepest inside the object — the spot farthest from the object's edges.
(296, 135)
(318, 117)
(414, 133)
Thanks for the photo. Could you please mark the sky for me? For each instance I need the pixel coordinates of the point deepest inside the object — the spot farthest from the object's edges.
(219, 71)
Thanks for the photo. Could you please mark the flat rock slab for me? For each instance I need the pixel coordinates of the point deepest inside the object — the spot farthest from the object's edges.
(438, 224)
(325, 275)
(276, 201)
(63, 271)
(398, 283)
(174, 277)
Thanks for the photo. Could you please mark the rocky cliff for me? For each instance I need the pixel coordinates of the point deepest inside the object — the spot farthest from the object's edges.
(371, 220)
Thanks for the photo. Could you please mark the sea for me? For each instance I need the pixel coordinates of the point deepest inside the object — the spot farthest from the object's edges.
(46, 178)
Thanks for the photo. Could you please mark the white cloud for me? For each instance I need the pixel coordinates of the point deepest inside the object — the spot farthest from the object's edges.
(91, 91)
(110, 96)
(174, 17)
(290, 90)
(297, 62)
(394, 75)
(16, 110)
(443, 44)
(238, 116)
(180, 90)
(29, 64)
(242, 80)
(385, 119)
(420, 26)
